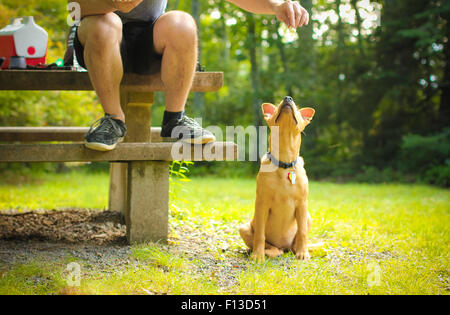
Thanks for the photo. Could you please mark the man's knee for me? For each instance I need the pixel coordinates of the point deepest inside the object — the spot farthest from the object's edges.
(100, 29)
(177, 26)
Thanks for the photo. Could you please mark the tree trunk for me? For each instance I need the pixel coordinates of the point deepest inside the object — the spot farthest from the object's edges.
(339, 60)
(224, 34)
(283, 58)
(305, 33)
(444, 107)
(306, 54)
(198, 96)
(358, 26)
(252, 45)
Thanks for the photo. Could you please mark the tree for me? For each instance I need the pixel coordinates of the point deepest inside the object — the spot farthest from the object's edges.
(407, 61)
(444, 106)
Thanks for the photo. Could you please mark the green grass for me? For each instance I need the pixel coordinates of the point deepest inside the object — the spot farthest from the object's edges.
(379, 239)
(51, 191)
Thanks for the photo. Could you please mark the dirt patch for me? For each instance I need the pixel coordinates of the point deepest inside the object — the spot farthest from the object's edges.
(68, 226)
(97, 237)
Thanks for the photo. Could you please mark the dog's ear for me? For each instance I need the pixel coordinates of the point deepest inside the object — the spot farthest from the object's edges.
(268, 110)
(307, 114)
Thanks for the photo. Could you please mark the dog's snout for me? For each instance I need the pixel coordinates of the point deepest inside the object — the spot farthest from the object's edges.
(288, 99)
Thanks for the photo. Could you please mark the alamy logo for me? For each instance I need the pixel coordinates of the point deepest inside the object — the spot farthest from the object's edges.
(256, 145)
(74, 274)
(374, 276)
(74, 16)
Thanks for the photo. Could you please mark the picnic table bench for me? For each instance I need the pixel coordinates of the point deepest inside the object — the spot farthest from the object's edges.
(139, 171)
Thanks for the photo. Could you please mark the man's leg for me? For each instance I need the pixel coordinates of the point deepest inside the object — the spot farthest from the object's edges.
(100, 36)
(175, 37)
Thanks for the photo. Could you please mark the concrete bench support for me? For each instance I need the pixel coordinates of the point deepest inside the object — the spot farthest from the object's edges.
(118, 174)
(125, 177)
(147, 214)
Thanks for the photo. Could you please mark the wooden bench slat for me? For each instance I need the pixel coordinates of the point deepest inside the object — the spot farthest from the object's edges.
(37, 134)
(77, 152)
(62, 80)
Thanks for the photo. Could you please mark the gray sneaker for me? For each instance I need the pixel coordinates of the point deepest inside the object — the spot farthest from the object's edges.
(187, 130)
(105, 133)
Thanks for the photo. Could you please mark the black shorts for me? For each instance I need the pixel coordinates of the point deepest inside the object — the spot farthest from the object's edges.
(137, 50)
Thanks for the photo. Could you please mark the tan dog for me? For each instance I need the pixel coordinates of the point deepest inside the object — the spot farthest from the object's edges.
(281, 220)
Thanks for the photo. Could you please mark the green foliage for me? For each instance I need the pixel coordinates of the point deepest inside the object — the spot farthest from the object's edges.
(371, 174)
(428, 157)
(180, 170)
(438, 175)
(419, 153)
(178, 174)
(24, 108)
(410, 63)
(370, 85)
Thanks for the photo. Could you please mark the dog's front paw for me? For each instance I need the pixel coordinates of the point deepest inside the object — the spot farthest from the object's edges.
(303, 255)
(257, 257)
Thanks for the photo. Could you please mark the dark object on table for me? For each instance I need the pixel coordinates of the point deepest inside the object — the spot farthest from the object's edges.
(2, 60)
(199, 68)
(17, 62)
(68, 56)
(52, 66)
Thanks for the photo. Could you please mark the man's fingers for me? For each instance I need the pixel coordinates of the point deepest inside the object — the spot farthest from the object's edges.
(283, 17)
(304, 18)
(290, 14)
(306, 15)
(298, 14)
(301, 16)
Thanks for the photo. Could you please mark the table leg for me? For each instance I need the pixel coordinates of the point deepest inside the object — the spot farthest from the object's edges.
(118, 187)
(147, 217)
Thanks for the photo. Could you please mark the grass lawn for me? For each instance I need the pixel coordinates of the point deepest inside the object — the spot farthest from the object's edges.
(379, 239)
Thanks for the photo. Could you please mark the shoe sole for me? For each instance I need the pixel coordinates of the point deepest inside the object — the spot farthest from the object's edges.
(98, 146)
(198, 140)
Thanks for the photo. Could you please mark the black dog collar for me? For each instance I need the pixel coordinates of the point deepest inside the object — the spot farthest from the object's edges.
(280, 163)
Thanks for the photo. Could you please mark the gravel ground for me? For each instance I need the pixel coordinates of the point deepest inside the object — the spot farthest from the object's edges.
(70, 226)
(98, 238)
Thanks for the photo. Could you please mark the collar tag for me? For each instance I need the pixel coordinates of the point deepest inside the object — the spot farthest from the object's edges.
(292, 177)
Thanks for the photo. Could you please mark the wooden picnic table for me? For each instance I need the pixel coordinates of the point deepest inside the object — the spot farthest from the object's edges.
(139, 172)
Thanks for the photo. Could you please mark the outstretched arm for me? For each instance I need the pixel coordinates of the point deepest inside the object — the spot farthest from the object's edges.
(289, 12)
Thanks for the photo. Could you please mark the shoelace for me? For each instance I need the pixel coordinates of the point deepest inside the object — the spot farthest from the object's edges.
(106, 125)
(190, 122)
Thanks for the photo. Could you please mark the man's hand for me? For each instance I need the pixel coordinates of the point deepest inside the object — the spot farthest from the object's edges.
(125, 5)
(291, 13)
